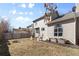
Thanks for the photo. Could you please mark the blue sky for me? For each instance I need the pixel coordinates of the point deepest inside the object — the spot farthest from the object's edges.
(22, 14)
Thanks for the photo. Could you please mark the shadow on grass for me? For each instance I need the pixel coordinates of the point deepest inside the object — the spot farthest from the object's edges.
(4, 50)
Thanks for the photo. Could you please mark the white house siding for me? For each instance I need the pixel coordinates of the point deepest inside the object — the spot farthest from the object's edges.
(68, 30)
(51, 31)
(41, 24)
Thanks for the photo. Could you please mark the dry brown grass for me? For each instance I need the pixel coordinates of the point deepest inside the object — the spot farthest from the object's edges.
(27, 47)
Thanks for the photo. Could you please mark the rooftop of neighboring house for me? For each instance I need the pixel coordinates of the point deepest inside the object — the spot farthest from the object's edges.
(38, 19)
(22, 30)
(65, 17)
(29, 26)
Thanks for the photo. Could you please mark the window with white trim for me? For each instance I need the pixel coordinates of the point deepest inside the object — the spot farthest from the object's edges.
(58, 30)
(37, 30)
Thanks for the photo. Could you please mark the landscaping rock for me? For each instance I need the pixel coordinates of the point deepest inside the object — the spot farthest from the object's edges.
(61, 41)
(53, 40)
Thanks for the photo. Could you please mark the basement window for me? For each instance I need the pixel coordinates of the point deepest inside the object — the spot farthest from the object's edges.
(58, 30)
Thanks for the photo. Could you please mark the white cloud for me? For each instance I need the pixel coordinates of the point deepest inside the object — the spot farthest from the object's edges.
(31, 5)
(13, 12)
(42, 12)
(22, 19)
(19, 18)
(5, 18)
(30, 13)
(23, 5)
(13, 3)
(20, 13)
(26, 13)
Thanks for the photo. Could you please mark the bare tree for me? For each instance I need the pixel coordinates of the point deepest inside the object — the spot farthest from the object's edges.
(1, 32)
(4, 27)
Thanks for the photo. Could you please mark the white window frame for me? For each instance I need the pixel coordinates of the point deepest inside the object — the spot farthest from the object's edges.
(57, 32)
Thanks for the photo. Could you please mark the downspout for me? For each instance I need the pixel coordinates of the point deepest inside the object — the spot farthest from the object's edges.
(75, 28)
(74, 11)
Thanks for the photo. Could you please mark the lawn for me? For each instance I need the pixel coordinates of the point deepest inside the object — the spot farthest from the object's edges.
(27, 47)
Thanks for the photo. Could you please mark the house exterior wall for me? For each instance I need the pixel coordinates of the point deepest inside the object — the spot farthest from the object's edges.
(68, 30)
(41, 24)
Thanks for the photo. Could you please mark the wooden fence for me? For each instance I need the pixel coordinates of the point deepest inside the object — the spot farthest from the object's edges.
(16, 35)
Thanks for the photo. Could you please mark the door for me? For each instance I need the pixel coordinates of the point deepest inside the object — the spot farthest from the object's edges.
(37, 32)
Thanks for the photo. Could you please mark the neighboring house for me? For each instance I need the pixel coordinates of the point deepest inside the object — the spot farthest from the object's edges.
(21, 33)
(18, 33)
(30, 28)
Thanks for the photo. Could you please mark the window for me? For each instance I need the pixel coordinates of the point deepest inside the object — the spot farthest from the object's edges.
(37, 30)
(58, 30)
(42, 29)
(55, 34)
(59, 34)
